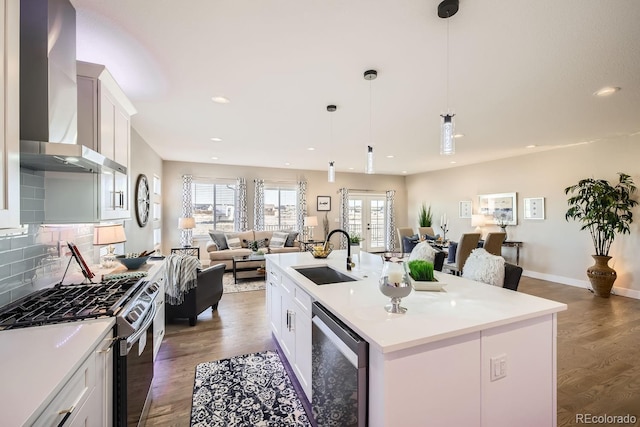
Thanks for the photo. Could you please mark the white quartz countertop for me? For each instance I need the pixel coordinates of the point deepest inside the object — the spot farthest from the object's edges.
(38, 361)
(463, 307)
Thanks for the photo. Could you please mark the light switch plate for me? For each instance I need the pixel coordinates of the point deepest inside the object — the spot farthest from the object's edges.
(498, 367)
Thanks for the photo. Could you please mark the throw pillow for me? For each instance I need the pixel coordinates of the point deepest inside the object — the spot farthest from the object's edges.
(484, 267)
(256, 244)
(452, 252)
(408, 243)
(291, 238)
(233, 240)
(278, 239)
(424, 251)
(218, 238)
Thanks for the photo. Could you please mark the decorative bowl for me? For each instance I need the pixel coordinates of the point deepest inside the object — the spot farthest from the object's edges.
(132, 263)
(319, 251)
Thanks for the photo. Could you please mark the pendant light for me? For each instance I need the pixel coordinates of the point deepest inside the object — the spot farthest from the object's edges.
(370, 75)
(331, 177)
(446, 10)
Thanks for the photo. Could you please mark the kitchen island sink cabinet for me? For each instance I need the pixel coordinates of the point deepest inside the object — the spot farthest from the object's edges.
(471, 355)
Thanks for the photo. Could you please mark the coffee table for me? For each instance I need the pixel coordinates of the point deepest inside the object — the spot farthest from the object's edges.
(241, 271)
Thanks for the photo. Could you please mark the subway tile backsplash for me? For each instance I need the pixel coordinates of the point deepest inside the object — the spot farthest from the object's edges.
(30, 260)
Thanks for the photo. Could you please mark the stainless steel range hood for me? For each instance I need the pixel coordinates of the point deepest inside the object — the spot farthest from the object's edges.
(48, 92)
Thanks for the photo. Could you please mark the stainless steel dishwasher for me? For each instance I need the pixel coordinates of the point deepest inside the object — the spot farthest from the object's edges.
(338, 372)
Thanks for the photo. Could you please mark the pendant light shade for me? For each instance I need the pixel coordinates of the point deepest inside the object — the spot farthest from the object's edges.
(447, 142)
(370, 75)
(332, 173)
(369, 167)
(446, 10)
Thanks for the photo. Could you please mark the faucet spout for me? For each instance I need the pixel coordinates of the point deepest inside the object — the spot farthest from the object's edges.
(326, 245)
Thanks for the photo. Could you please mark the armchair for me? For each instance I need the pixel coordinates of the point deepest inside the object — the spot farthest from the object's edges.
(205, 294)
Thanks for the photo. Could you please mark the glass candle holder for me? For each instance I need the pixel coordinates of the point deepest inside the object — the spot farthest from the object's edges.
(395, 284)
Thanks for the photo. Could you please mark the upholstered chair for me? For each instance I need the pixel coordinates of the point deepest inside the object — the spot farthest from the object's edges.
(402, 233)
(428, 231)
(484, 267)
(467, 243)
(493, 243)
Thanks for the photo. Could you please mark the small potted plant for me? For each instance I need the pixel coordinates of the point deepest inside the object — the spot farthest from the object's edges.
(605, 210)
(421, 275)
(354, 242)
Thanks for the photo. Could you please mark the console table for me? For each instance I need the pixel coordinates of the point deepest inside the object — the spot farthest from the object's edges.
(513, 244)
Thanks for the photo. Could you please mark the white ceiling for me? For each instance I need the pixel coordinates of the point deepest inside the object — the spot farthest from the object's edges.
(522, 72)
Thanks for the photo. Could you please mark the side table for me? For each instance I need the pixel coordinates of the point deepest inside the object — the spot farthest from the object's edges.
(513, 244)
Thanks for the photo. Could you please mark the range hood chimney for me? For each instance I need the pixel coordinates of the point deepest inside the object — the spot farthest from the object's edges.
(48, 92)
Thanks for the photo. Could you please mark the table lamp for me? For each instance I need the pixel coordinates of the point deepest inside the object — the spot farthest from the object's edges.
(310, 222)
(108, 235)
(186, 224)
(478, 221)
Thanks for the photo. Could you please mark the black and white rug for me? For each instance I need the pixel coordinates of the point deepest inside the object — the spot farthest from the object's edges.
(244, 285)
(248, 390)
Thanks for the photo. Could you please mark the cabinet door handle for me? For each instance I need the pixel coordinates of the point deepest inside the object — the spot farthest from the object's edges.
(67, 413)
(288, 319)
(293, 321)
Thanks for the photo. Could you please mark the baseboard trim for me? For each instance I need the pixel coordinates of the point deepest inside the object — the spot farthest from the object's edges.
(630, 293)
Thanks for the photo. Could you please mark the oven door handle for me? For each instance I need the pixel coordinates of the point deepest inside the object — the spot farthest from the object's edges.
(148, 321)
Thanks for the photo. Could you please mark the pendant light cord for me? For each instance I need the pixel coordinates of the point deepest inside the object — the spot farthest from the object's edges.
(370, 115)
(448, 106)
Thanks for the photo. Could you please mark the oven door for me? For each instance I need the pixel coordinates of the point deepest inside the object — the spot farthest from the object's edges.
(134, 373)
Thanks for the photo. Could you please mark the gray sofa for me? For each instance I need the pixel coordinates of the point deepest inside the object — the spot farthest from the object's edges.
(220, 253)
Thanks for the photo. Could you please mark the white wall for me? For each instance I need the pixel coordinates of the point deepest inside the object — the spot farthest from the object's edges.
(317, 185)
(554, 249)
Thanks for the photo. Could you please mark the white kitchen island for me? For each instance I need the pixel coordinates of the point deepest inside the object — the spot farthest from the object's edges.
(434, 364)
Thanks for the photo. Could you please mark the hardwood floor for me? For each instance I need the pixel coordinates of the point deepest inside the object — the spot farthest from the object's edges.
(598, 352)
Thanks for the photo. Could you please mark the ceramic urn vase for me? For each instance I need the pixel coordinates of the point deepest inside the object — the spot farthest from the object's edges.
(601, 276)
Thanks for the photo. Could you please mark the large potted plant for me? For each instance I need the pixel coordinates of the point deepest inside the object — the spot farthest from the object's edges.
(425, 216)
(605, 210)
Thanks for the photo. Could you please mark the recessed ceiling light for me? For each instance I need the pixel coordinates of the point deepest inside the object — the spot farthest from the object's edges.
(458, 135)
(453, 162)
(350, 169)
(531, 146)
(216, 139)
(214, 158)
(221, 100)
(404, 172)
(606, 91)
(287, 163)
(310, 148)
(390, 156)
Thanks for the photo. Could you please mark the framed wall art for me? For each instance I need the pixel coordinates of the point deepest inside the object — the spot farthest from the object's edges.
(464, 209)
(323, 203)
(534, 208)
(500, 208)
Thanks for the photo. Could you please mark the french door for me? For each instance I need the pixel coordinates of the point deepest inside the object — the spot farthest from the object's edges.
(366, 217)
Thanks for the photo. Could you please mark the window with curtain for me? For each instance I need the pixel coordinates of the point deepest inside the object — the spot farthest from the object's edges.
(213, 207)
(280, 207)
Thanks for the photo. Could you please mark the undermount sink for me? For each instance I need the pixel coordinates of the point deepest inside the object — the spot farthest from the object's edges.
(324, 275)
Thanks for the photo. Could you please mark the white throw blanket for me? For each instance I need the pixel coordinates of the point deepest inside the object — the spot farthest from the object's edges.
(484, 267)
(180, 276)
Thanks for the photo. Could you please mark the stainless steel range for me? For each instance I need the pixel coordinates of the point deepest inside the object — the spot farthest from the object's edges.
(131, 299)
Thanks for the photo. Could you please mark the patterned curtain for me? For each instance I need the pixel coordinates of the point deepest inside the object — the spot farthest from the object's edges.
(344, 215)
(302, 205)
(241, 222)
(258, 206)
(390, 221)
(187, 208)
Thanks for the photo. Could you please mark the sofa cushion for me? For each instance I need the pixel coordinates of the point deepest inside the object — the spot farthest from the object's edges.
(260, 243)
(233, 240)
(291, 238)
(219, 239)
(228, 254)
(278, 239)
(261, 235)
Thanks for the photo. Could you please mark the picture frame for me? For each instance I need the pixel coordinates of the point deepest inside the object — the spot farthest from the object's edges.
(465, 209)
(499, 208)
(534, 208)
(323, 203)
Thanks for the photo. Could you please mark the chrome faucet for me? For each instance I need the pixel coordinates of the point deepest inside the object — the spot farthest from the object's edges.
(326, 246)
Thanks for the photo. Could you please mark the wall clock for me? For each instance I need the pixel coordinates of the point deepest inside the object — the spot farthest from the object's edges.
(142, 200)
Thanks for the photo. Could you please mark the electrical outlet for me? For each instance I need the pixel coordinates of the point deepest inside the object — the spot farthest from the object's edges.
(498, 367)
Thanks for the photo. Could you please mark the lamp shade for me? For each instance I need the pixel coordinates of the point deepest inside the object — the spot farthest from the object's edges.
(478, 221)
(310, 221)
(186, 223)
(108, 234)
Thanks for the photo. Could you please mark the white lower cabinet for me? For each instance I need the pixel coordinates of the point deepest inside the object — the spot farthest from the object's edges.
(289, 312)
(158, 321)
(87, 398)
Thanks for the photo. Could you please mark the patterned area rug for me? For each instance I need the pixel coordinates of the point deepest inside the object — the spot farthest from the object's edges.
(249, 390)
(243, 285)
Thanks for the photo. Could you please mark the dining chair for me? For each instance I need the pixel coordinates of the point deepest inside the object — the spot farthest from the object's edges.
(402, 233)
(467, 243)
(493, 243)
(428, 231)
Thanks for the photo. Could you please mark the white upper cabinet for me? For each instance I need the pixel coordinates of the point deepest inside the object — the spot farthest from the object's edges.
(104, 124)
(9, 114)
